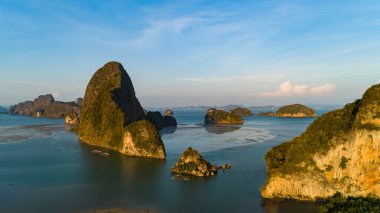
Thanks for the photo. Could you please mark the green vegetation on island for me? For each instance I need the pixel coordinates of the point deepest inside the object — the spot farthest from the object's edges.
(295, 110)
(109, 112)
(192, 163)
(216, 116)
(241, 111)
(334, 141)
(340, 204)
(269, 114)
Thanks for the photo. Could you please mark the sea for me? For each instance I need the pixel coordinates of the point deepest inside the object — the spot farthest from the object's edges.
(44, 168)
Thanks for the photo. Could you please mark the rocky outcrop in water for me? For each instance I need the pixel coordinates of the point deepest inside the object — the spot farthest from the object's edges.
(161, 121)
(112, 116)
(168, 112)
(72, 118)
(216, 116)
(45, 106)
(339, 152)
(295, 111)
(268, 114)
(242, 111)
(192, 163)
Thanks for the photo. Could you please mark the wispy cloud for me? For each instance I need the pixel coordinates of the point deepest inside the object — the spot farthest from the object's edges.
(233, 79)
(286, 89)
(322, 89)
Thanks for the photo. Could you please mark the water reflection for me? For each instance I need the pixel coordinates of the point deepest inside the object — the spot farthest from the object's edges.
(120, 178)
(16, 134)
(287, 206)
(168, 130)
(220, 128)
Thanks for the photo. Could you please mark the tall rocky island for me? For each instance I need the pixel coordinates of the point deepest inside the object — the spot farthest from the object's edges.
(339, 152)
(112, 116)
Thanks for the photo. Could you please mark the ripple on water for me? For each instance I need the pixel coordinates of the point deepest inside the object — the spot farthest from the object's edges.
(18, 134)
(207, 138)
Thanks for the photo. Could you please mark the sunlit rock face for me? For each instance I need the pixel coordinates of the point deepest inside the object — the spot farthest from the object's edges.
(339, 152)
(112, 116)
(72, 118)
(168, 112)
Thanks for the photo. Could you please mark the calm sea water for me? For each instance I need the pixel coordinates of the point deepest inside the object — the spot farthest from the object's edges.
(43, 168)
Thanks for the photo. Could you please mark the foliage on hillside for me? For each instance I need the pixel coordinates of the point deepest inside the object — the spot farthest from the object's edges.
(339, 203)
(328, 130)
(294, 109)
(146, 138)
(107, 107)
(241, 111)
(215, 116)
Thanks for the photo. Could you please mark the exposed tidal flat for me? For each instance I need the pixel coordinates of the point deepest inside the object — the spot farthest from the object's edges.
(50, 171)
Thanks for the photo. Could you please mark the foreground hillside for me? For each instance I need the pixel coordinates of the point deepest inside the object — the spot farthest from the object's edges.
(339, 152)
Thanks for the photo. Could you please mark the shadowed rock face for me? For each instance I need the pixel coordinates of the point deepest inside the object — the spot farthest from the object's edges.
(192, 163)
(215, 116)
(109, 114)
(45, 106)
(339, 152)
(296, 111)
(161, 121)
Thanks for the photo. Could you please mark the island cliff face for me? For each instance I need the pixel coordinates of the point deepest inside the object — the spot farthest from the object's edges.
(216, 116)
(295, 111)
(339, 152)
(112, 116)
(45, 106)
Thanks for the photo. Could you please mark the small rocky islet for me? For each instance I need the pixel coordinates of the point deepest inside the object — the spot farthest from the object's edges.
(242, 111)
(217, 116)
(192, 163)
(295, 111)
(161, 121)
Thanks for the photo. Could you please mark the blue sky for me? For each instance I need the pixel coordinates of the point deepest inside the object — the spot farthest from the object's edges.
(182, 53)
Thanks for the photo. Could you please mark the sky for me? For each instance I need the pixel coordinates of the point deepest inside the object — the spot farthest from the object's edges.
(181, 53)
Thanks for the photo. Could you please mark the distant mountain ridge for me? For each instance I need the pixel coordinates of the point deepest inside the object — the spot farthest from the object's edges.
(252, 108)
(46, 106)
